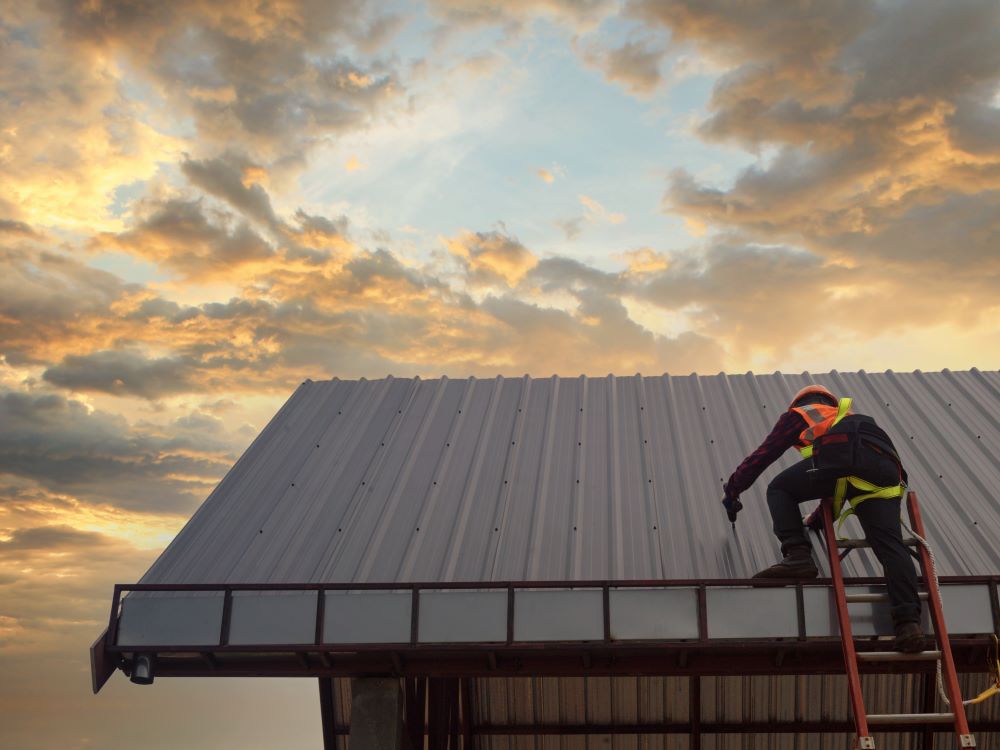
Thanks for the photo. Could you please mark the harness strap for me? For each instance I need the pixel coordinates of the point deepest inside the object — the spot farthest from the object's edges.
(869, 492)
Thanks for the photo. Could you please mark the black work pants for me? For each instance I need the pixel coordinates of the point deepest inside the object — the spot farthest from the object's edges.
(879, 518)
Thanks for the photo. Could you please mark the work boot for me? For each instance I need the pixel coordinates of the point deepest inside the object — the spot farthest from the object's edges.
(910, 638)
(797, 563)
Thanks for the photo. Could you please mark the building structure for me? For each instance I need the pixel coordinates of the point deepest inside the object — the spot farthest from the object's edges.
(477, 562)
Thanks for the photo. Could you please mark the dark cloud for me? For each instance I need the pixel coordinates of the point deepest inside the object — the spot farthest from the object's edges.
(189, 238)
(47, 301)
(48, 537)
(886, 155)
(8, 226)
(226, 177)
(98, 457)
(123, 372)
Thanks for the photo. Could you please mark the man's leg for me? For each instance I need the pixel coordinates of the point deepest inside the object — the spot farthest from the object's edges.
(791, 487)
(880, 521)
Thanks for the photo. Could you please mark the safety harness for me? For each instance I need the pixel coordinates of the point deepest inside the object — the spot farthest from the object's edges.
(835, 445)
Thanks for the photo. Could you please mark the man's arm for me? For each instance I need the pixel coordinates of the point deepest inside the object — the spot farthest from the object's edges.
(784, 435)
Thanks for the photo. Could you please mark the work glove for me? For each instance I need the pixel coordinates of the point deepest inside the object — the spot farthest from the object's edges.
(732, 506)
(814, 521)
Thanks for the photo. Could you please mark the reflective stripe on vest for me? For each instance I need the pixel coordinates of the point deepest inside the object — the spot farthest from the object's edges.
(819, 418)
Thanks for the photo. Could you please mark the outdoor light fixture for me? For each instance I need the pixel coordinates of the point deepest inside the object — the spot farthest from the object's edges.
(142, 670)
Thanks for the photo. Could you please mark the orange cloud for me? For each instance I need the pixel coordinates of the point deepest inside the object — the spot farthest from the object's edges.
(492, 256)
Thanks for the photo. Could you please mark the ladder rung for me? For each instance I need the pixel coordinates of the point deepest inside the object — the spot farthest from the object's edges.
(898, 656)
(876, 719)
(862, 544)
(859, 598)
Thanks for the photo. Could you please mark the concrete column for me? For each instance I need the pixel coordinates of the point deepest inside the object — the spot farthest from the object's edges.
(377, 714)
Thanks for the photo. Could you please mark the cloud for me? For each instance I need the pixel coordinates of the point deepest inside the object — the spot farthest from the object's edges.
(353, 165)
(227, 177)
(635, 64)
(595, 212)
(571, 227)
(99, 458)
(546, 175)
(70, 137)
(276, 79)
(191, 239)
(515, 14)
(50, 303)
(492, 257)
(122, 372)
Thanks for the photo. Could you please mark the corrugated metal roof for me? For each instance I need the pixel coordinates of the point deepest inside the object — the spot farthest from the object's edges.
(400, 480)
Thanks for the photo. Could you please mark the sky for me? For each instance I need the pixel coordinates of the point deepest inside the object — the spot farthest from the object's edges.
(203, 204)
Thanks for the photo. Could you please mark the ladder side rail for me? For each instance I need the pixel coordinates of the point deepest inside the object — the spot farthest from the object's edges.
(844, 618)
(937, 618)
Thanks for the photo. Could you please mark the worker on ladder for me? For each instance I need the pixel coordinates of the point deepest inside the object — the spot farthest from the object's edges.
(860, 470)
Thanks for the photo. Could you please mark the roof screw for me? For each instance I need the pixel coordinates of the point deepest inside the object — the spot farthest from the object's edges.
(496, 528)
(654, 528)
(339, 530)
(293, 484)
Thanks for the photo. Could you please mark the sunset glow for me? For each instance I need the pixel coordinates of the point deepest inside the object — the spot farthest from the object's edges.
(203, 204)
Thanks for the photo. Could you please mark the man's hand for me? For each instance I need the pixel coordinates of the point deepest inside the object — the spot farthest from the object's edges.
(732, 506)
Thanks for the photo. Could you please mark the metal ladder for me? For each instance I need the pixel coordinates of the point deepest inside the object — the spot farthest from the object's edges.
(863, 720)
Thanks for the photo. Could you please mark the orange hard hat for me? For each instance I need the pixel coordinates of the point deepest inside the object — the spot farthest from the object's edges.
(818, 390)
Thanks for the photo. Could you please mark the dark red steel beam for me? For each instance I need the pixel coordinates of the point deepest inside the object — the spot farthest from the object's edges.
(326, 712)
(565, 584)
(753, 727)
(103, 663)
(762, 727)
(569, 665)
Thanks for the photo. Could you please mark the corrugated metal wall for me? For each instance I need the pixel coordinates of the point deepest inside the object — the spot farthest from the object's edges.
(563, 478)
(731, 700)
